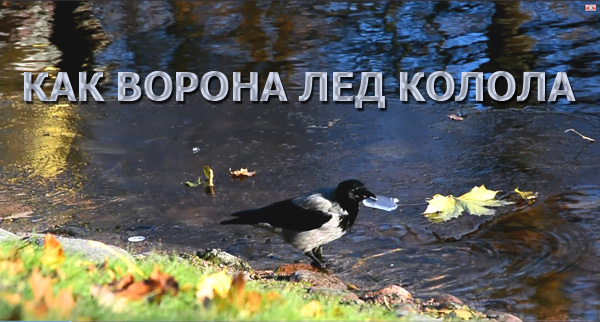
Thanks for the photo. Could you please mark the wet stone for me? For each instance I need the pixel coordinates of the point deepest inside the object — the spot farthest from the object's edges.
(389, 295)
(82, 247)
(502, 316)
(316, 279)
(447, 298)
(222, 258)
(6, 235)
(68, 231)
(406, 309)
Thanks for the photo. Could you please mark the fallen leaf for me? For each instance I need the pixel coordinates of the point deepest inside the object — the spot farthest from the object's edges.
(215, 284)
(312, 309)
(237, 290)
(53, 254)
(194, 184)
(43, 297)
(155, 286)
(209, 174)
(242, 173)
(40, 286)
(475, 202)
(252, 302)
(527, 195)
(63, 303)
(121, 285)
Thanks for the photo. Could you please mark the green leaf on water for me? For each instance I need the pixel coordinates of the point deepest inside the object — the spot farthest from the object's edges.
(208, 172)
(476, 202)
(194, 184)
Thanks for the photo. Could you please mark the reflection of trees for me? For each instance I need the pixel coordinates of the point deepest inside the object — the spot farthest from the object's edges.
(37, 139)
(509, 48)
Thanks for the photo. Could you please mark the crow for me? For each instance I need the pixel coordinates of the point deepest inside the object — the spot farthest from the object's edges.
(312, 220)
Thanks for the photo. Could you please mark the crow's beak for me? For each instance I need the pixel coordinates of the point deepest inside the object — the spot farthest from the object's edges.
(366, 194)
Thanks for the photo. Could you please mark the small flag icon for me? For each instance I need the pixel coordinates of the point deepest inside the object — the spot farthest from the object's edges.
(590, 7)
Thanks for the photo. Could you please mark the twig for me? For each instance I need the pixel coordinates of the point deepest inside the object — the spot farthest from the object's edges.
(363, 260)
(581, 135)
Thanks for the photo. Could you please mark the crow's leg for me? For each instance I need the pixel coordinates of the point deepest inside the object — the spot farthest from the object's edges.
(316, 262)
(318, 252)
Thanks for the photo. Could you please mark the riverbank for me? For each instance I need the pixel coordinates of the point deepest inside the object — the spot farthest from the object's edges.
(48, 277)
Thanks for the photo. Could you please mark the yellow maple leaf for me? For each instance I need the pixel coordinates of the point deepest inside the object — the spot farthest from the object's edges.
(476, 202)
(53, 253)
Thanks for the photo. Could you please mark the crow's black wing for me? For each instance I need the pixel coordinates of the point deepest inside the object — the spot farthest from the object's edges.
(292, 214)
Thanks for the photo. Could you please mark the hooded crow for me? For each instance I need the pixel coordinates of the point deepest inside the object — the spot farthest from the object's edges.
(312, 220)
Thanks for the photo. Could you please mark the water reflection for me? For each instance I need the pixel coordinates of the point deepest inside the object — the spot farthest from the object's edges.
(124, 164)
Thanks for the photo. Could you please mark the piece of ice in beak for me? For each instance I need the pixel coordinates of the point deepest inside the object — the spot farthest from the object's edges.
(383, 203)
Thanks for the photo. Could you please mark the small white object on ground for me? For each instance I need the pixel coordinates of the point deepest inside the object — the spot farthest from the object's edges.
(136, 239)
(383, 203)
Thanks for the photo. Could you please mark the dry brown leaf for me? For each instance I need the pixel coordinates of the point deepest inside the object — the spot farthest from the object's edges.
(123, 283)
(252, 304)
(64, 303)
(53, 253)
(40, 286)
(43, 297)
(242, 173)
(237, 291)
(127, 288)
(166, 282)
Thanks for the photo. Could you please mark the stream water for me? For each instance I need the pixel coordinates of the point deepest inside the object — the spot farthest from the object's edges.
(110, 171)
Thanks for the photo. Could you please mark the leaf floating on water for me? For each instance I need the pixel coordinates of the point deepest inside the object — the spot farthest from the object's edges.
(194, 184)
(242, 172)
(209, 174)
(527, 195)
(476, 202)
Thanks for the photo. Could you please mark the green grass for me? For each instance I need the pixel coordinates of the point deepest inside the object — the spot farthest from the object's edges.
(77, 274)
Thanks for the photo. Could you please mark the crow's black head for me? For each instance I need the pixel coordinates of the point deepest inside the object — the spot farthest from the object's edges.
(352, 190)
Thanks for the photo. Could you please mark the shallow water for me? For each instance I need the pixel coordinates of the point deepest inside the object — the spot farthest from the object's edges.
(111, 171)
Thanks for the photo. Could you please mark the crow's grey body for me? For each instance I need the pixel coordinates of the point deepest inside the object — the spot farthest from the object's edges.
(310, 221)
(323, 200)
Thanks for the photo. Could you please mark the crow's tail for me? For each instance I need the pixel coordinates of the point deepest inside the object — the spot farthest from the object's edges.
(246, 217)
